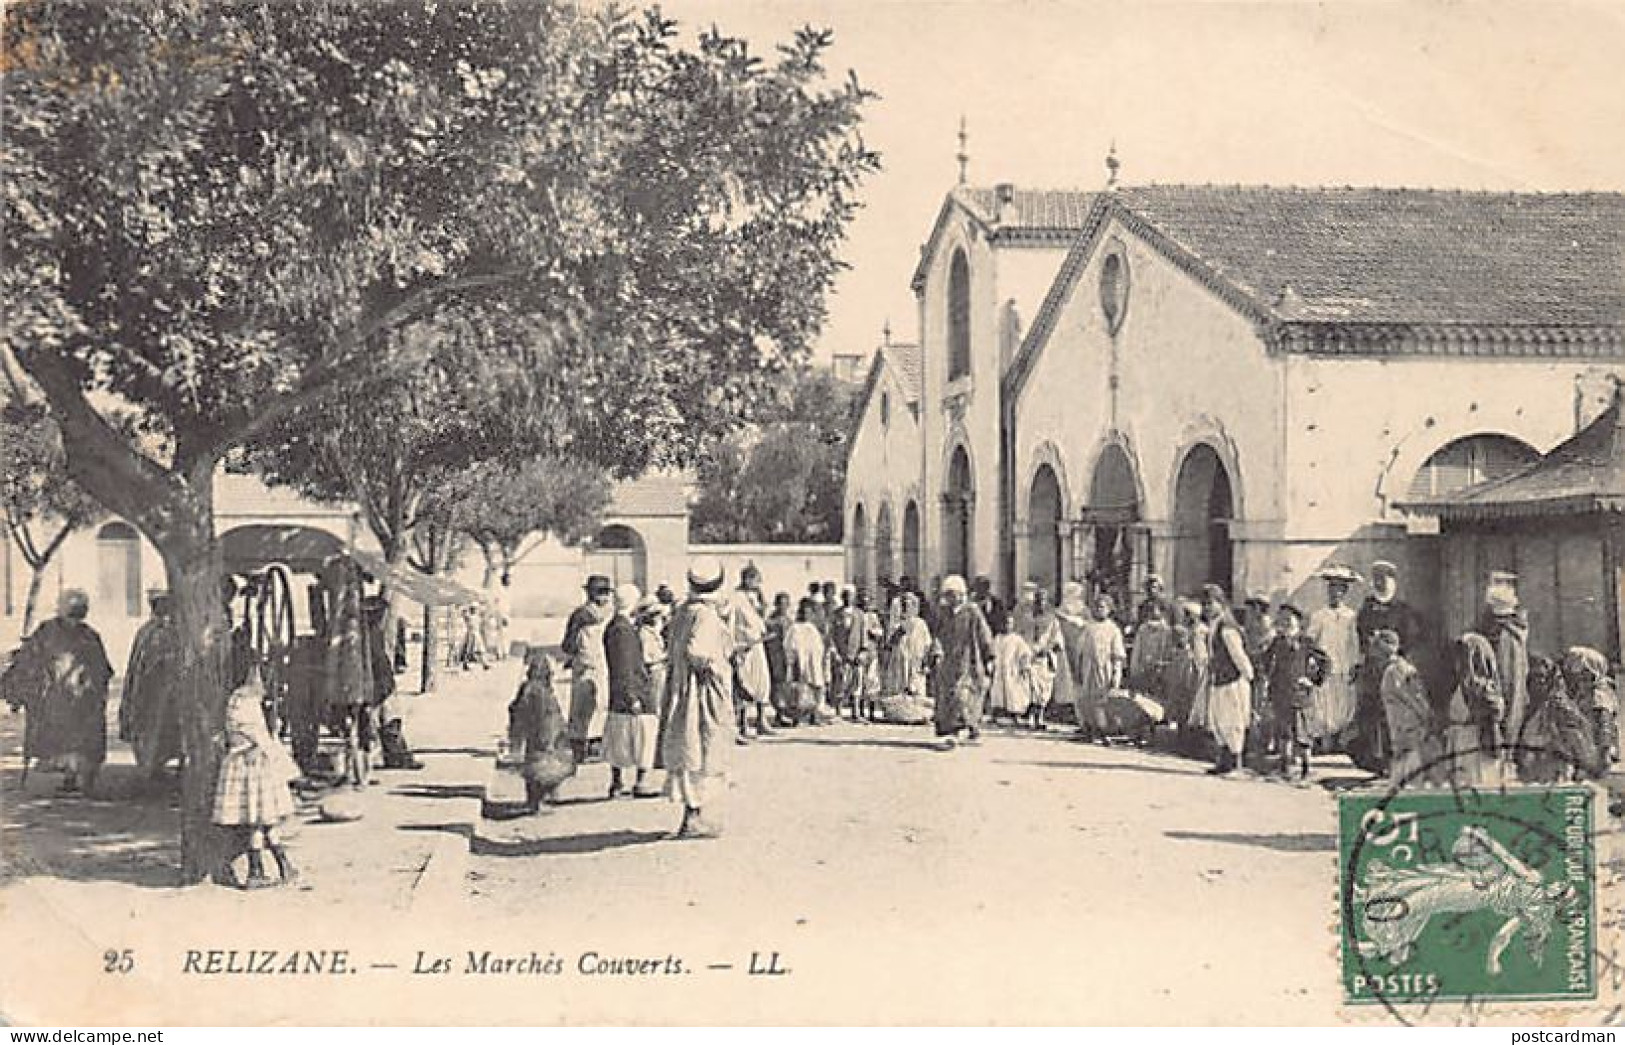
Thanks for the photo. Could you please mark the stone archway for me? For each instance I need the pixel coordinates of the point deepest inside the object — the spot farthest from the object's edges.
(958, 508)
(1117, 547)
(1204, 508)
(619, 553)
(1045, 515)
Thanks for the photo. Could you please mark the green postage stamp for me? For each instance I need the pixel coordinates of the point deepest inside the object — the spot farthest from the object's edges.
(1476, 896)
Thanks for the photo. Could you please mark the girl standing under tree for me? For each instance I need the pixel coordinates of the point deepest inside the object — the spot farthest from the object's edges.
(251, 792)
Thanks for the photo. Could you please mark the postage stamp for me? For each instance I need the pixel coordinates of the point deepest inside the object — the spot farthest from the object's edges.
(1476, 896)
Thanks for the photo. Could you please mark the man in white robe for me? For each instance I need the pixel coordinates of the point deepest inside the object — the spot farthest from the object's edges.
(700, 725)
(753, 682)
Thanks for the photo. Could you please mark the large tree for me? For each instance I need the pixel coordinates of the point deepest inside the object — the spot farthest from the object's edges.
(223, 216)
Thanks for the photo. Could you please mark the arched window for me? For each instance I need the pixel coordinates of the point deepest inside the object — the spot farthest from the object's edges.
(885, 409)
(1469, 461)
(958, 316)
(118, 569)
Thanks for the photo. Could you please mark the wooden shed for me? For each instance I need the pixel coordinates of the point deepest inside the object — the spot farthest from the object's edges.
(1559, 525)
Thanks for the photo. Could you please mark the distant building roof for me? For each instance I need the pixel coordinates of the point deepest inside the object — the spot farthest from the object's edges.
(1371, 271)
(1028, 217)
(1370, 255)
(653, 495)
(1586, 474)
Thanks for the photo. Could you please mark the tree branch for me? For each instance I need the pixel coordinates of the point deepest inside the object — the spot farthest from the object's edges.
(100, 459)
(333, 375)
(56, 542)
(25, 541)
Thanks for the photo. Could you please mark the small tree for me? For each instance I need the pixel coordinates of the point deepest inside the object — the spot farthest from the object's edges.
(42, 505)
(509, 509)
(782, 480)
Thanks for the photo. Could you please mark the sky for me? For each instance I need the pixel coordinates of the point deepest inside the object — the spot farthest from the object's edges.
(1526, 96)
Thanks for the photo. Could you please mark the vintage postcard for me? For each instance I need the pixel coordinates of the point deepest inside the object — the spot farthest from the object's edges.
(813, 512)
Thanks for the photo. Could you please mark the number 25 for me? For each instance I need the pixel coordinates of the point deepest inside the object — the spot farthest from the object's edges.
(118, 961)
(1385, 831)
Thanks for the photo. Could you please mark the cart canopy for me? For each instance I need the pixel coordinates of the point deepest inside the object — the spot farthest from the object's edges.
(303, 549)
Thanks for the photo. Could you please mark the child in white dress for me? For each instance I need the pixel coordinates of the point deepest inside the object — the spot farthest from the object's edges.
(251, 792)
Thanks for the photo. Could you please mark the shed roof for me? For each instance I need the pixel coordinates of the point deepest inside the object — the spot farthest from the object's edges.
(1584, 475)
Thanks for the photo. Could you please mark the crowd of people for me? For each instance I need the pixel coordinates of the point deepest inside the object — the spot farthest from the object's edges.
(672, 685)
(1260, 686)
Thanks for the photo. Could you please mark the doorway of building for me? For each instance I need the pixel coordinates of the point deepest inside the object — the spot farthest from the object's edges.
(1045, 513)
(885, 563)
(911, 542)
(958, 504)
(1204, 508)
(1117, 545)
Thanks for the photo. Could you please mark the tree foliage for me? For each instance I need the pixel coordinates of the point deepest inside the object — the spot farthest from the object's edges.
(507, 508)
(40, 503)
(782, 480)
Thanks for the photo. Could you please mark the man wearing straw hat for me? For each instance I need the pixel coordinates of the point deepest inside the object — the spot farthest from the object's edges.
(584, 645)
(700, 720)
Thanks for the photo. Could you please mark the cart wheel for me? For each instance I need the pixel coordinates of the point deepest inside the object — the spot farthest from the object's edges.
(273, 639)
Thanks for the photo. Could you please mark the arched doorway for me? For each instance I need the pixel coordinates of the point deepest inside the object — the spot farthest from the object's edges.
(1203, 509)
(860, 548)
(618, 553)
(885, 564)
(1117, 547)
(1044, 515)
(911, 542)
(118, 569)
(958, 502)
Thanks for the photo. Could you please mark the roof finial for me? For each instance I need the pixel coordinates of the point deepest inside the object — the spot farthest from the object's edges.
(963, 156)
(885, 332)
(1113, 164)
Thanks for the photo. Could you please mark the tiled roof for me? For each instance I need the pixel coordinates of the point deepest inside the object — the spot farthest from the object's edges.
(1029, 210)
(1368, 271)
(652, 495)
(1031, 217)
(903, 360)
(908, 364)
(1367, 255)
(1584, 474)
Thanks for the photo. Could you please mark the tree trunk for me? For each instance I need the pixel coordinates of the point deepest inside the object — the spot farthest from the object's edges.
(194, 570)
(395, 556)
(490, 579)
(431, 648)
(174, 508)
(32, 600)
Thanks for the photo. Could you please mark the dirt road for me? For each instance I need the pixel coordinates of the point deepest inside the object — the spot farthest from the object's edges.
(1029, 878)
